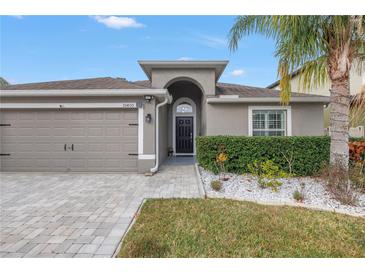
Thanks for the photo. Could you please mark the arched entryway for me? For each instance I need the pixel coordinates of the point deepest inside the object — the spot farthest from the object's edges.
(184, 122)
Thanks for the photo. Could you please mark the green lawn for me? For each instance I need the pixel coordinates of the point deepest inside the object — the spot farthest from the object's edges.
(226, 228)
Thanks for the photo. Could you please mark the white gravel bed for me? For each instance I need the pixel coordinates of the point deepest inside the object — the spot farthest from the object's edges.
(246, 187)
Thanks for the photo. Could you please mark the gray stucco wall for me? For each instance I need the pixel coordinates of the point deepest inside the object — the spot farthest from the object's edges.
(227, 119)
(308, 119)
(149, 128)
(204, 78)
(232, 119)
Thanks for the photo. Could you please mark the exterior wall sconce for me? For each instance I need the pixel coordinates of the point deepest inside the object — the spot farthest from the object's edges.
(148, 98)
(148, 118)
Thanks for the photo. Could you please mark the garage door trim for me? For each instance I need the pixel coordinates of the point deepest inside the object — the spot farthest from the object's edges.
(121, 105)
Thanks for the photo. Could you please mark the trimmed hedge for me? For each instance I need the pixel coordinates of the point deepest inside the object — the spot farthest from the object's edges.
(309, 153)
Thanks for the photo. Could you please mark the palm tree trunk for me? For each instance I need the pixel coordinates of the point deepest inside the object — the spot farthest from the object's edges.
(339, 123)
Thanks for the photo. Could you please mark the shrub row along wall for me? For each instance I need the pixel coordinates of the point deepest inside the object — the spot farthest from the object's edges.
(307, 154)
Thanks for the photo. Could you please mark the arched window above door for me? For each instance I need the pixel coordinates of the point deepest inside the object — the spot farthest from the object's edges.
(184, 108)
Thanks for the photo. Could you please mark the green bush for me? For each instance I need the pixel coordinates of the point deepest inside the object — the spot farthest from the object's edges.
(298, 196)
(268, 173)
(301, 155)
(216, 185)
(357, 139)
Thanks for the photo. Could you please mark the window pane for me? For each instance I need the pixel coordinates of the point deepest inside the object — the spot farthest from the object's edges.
(269, 122)
(258, 120)
(276, 119)
(258, 133)
(184, 108)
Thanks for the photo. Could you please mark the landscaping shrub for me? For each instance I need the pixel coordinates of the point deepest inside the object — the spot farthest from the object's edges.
(267, 173)
(298, 196)
(306, 154)
(216, 185)
(357, 164)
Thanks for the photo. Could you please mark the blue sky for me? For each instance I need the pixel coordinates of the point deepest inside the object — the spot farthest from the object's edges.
(45, 48)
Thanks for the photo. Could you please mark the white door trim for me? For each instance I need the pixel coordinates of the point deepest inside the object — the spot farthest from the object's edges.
(174, 115)
(288, 117)
(140, 130)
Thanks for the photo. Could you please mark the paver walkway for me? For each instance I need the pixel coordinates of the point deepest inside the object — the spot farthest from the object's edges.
(79, 215)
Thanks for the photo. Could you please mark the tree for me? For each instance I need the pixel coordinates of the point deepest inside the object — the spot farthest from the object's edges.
(3, 82)
(321, 48)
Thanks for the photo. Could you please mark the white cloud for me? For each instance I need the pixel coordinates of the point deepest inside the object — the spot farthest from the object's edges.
(185, 59)
(213, 42)
(237, 72)
(118, 22)
(17, 16)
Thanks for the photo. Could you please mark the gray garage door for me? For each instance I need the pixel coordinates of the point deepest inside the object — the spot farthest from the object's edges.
(69, 140)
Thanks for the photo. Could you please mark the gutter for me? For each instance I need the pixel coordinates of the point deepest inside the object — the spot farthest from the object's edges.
(82, 92)
(313, 99)
(157, 133)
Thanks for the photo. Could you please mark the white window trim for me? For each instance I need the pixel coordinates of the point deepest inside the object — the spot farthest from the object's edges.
(175, 114)
(288, 117)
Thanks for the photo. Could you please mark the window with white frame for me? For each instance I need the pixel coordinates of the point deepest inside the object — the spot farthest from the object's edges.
(269, 122)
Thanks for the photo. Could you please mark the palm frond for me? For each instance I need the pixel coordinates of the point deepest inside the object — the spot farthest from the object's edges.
(3, 82)
(357, 114)
(285, 77)
(313, 74)
(305, 43)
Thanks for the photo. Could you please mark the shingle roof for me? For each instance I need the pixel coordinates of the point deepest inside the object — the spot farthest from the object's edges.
(241, 90)
(119, 83)
(91, 83)
(145, 83)
(247, 91)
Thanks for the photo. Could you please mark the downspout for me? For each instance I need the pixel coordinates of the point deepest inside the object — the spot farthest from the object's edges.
(157, 134)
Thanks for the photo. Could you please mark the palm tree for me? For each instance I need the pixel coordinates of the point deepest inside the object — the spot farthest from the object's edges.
(3, 82)
(322, 48)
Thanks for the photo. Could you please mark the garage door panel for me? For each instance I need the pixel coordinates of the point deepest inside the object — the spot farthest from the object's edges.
(130, 148)
(131, 131)
(113, 116)
(102, 140)
(96, 116)
(95, 163)
(130, 163)
(43, 131)
(78, 116)
(77, 132)
(95, 131)
(26, 116)
(59, 131)
(130, 115)
(78, 164)
(121, 148)
(60, 115)
(113, 132)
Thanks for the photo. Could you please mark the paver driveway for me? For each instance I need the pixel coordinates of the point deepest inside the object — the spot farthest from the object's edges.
(79, 215)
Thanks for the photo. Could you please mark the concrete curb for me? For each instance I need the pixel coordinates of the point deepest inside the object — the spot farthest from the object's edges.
(202, 192)
(128, 228)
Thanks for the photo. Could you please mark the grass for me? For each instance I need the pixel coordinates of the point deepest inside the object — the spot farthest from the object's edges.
(227, 228)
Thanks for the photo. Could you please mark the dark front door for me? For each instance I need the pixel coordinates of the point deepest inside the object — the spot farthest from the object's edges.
(184, 135)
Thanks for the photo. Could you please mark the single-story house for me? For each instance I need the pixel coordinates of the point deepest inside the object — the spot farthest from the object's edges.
(114, 125)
